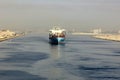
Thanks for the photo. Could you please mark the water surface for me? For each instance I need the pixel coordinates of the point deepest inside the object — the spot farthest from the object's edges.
(81, 58)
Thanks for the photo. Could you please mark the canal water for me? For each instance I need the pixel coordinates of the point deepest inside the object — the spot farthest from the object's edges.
(31, 57)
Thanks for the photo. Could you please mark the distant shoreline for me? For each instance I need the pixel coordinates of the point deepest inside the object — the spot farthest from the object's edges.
(6, 35)
(112, 37)
(8, 38)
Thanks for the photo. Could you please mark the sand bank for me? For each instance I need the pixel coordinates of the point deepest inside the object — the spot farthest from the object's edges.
(113, 37)
(7, 34)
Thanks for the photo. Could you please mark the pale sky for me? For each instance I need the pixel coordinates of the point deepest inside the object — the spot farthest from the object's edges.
(44, 14)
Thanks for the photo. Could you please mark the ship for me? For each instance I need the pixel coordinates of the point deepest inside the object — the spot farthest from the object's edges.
(57, 35)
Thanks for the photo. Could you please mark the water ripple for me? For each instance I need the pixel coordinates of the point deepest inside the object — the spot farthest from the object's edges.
(18, 75)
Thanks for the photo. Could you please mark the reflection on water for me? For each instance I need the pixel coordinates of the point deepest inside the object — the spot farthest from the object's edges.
(54, 72)
(55, 51)
(47, 67)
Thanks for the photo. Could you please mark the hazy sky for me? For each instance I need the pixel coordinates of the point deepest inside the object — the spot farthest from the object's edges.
(43, 14)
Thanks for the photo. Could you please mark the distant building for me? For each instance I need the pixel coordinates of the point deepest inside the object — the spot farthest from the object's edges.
(119, 31)
(97, 31)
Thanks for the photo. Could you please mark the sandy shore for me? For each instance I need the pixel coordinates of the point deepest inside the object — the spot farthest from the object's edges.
(11, 37)
(113, 37)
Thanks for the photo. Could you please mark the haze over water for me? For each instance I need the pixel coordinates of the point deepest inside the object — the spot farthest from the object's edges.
(31, 57)
(43, 14)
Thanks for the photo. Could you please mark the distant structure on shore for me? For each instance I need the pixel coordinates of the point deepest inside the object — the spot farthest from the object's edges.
(119, 32)
(97, 31)
(92, 32)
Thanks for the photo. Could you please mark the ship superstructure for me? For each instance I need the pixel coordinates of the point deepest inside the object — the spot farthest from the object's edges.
(57, 35)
